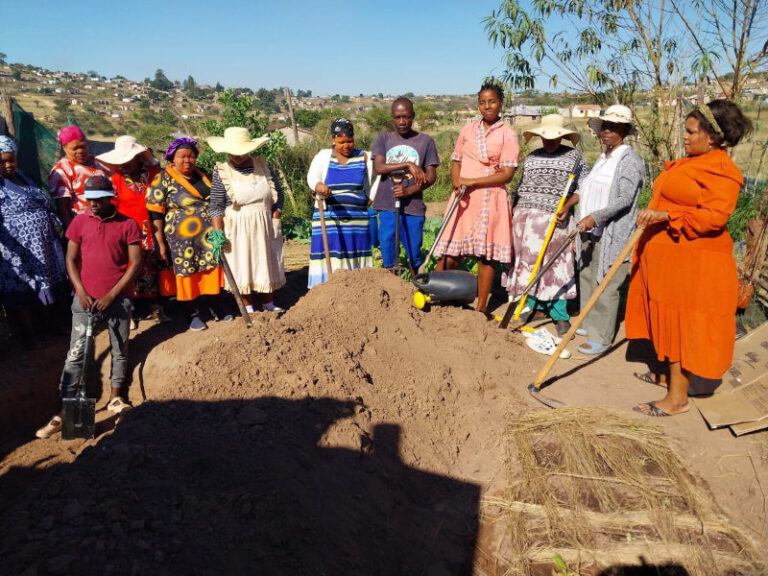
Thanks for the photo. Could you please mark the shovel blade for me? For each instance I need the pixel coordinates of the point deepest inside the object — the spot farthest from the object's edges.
(78, 417)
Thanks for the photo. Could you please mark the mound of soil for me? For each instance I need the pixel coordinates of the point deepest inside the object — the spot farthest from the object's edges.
(353, 434)
(334, 439)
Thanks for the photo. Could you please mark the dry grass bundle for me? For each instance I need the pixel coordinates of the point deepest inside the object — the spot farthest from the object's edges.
(603, 492)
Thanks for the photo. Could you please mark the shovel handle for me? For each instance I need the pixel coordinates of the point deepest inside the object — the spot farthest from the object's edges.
(576, 324)
(456, 199)
(321, 213)
(235, 291)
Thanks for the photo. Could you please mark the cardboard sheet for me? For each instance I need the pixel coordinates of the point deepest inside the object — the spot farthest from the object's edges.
(742, 400)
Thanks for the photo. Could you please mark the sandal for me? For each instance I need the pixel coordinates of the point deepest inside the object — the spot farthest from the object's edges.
(650, 378)
(653, 410)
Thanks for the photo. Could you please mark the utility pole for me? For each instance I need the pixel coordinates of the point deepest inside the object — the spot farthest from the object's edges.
(293, 119)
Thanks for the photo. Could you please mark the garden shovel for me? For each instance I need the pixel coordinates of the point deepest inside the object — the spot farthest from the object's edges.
(78, 414)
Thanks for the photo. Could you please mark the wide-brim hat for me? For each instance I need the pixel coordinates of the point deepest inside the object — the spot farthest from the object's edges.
(617, 114)
(126, 149)
(237, 142)
(552, 127)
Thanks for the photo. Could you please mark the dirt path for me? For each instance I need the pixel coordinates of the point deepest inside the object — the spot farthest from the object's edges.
(352, 434)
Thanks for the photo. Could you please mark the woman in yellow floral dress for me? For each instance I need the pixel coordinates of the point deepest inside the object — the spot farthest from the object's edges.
(178, 202)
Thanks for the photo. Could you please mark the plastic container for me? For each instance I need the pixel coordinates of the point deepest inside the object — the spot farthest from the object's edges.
(445, 286)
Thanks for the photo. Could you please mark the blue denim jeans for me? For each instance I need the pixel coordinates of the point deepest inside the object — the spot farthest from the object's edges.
(411, 236)
(117, 318)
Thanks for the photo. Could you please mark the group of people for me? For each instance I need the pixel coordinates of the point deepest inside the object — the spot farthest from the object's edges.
(137, 233)
(682, 275)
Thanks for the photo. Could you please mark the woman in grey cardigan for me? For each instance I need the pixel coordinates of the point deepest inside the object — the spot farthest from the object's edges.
(607, 213)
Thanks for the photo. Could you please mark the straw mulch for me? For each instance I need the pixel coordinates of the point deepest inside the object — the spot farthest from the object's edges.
(604, 494)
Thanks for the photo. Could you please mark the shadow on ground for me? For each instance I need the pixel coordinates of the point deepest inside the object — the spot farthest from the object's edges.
(239, 487)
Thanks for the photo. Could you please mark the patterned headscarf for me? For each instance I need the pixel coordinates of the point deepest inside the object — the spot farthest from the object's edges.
(69, 133)
(7, 145)
(181, 144)
(342, 127)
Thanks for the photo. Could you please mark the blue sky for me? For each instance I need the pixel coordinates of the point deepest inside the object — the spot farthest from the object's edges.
(336, 46)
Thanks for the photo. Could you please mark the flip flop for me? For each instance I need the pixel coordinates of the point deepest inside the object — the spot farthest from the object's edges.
(591, 348)
(653, 410)
(650, 378)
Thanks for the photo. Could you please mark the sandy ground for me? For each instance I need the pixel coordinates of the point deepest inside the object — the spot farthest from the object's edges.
(352, 434)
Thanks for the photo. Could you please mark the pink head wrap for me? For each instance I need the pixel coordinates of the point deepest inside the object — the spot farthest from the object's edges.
(66, 135)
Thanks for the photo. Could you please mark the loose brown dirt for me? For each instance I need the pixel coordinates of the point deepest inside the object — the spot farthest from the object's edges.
(353, 434)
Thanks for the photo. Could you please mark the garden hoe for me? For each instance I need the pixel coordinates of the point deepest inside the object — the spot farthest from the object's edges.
(547, 238)
(513, 307)
(535, 387)
(78, 414)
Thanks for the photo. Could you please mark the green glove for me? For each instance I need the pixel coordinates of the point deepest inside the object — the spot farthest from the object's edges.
(218, 239)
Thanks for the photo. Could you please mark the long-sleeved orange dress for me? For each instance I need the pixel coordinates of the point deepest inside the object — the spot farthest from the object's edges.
(684, 284)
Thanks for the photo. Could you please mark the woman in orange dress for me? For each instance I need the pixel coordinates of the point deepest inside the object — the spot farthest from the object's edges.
(484, 160)
(683, 287)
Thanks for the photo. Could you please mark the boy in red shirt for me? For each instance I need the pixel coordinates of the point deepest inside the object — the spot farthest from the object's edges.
(103, 260)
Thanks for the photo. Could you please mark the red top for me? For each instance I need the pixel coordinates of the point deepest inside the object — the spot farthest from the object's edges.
(131, 201)
(103, 249)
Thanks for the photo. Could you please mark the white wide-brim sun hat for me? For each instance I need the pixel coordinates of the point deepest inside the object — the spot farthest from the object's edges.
(552, 127)
(236, 141)
(617, 114)
(126, 149)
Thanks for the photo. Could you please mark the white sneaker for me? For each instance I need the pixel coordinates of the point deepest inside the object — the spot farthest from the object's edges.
(270, 307)
(117, 405)
(249, 308)
(53, 427)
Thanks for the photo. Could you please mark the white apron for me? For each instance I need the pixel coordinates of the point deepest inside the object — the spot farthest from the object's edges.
(256, 257)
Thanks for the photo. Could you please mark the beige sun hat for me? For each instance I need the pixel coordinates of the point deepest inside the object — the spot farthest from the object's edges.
(236, 141)
(618, 114)
(126, 149)
(552, 127)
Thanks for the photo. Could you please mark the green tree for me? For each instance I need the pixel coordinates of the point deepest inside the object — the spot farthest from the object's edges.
(425, 113)
(161, 81)
(189, 83)
(16, 72)
(615, 50)
(3, 56)
(378, 119)
(218, 88)
(307, 118)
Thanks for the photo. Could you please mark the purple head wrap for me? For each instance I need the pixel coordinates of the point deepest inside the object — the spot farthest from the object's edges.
(180, 144)
(7, 145)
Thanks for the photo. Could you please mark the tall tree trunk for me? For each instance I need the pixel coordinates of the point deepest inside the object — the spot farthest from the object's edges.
(6, 111)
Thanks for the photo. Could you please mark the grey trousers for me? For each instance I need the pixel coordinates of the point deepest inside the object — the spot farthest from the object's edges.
(600, 323)
(117, 318)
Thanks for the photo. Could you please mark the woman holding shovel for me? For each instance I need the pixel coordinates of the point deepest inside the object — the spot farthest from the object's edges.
(484, 160)
(684, 282)
(607, 199)
(543, 189)
(339, 177)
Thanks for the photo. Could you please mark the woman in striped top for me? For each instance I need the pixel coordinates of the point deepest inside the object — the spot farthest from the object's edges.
(340, 175)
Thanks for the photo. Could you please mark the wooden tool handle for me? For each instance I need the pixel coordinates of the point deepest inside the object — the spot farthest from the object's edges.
(588, 306)
(235, 291)
(321, 212)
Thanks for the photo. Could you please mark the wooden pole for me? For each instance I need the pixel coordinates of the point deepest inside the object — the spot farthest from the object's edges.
(293, 118)
(6, 111)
